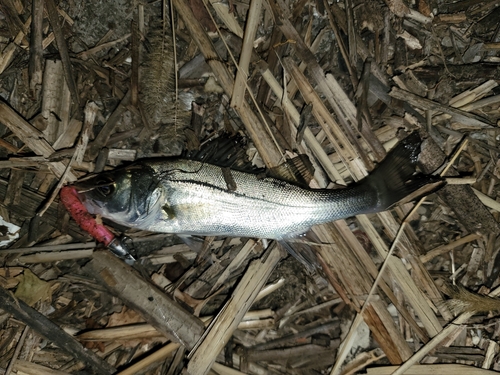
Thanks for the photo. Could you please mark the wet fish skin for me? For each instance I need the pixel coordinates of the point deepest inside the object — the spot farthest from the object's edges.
(190, 197)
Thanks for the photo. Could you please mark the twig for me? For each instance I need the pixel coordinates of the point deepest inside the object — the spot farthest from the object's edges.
(90, 114)
(50, 6)
(19, 346)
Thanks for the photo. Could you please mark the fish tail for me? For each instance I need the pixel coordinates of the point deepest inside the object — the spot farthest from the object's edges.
(396, 178)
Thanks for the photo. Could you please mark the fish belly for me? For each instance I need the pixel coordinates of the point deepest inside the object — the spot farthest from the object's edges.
(204, 210)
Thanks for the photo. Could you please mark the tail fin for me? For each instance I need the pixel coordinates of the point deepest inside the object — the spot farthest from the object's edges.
(396, 178)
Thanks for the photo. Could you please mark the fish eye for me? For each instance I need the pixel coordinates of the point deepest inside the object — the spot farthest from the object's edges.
(105, 187)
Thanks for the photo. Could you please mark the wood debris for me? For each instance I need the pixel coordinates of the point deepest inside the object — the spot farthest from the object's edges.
(88, 86)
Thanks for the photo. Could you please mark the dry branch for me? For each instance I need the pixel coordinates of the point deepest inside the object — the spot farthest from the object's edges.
(221, 329)
(155, 306)
(253, 124)
(53, 333)
(50, 6)
(31, 136)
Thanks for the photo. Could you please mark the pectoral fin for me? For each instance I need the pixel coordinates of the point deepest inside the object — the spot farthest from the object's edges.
(169, 211)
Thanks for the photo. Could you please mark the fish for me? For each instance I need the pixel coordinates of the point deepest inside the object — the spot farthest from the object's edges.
(192, 197)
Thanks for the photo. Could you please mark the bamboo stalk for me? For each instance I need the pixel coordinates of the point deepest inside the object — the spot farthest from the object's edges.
(256, 130)
(29, 368)
(156, 307)
(55, 256)
(431, 254)
(56, 99)
(55, 334)
(309, 137)
(51, 8)
(457, 114)
(332, 129)
(443, 369)
(32, 137)
(35, 67)
(224, 370)
(157, 356)
(329, 87)
(252, 24)
(226, 322)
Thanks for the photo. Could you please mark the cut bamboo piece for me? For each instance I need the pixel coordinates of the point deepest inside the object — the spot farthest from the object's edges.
(453, 327)
(158, 355)
(490, 355)
(487, 201)
(224, 370)
(69, 136)
(56, 101)
(232, 313)
(431, 254)
(90, 113)
(55, 256)
(252, 25)
(256, 130)
(291, 87)
(29, 368)
(35, 67)
(9, 52)
(102, 138)
(156, 307)
(134, 72)
(235, 263)
(84, 55)
(145, 330)
(445, 369)
(404, 280)
(470, 96)
(327, 122)
(33, 138)
(55, 334)
(227, 16)
(456, 114)
(51, 9)
(309, 137)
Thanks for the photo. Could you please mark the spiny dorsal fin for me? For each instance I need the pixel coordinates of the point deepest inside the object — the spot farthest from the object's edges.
(230, 152)
(224, 151)
(297, 170)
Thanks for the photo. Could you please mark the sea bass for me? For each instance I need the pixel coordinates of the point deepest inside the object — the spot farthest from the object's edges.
(190, 197)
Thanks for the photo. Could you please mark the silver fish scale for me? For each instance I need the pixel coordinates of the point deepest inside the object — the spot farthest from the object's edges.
(191, 197)
(197, 201)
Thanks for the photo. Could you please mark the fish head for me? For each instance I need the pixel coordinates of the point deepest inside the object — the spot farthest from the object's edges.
(128, 196)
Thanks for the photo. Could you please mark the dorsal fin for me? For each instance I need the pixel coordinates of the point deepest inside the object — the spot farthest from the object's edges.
(225, 151)
(297, 170)
(230, 152)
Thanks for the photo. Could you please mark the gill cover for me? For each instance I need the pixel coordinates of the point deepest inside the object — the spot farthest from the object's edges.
(126, 196)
